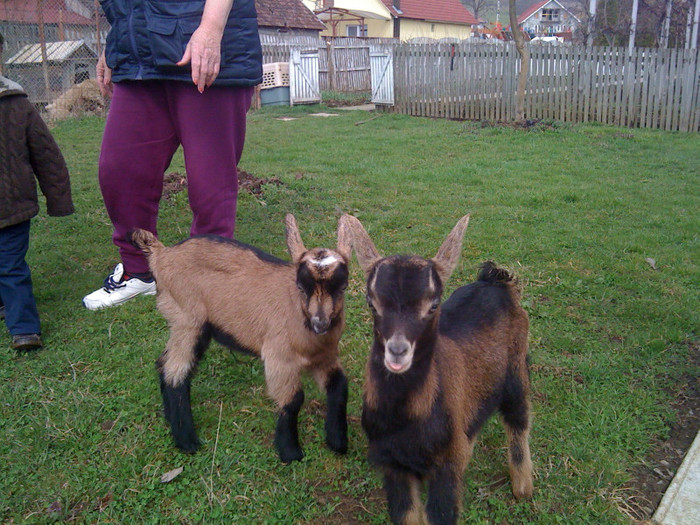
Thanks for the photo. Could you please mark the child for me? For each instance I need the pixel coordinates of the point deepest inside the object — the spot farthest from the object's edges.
(28, 153)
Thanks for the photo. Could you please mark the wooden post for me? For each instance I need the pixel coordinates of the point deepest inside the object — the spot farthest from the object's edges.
(42, 44)
(98, 36)
(524, 54)
(330, 49)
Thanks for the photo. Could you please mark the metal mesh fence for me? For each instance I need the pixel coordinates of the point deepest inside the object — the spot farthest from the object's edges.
(51, 47)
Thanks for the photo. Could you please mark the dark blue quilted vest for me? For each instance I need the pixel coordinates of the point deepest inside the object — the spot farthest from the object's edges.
(148, 37)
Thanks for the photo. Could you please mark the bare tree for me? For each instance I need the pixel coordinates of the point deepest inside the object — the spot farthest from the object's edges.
(479, 7)
(524, 53)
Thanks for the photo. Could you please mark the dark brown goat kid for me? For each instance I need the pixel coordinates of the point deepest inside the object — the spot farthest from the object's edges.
(291, 315)
(437, 372)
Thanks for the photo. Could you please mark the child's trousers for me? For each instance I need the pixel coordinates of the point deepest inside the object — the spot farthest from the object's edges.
(21, 315)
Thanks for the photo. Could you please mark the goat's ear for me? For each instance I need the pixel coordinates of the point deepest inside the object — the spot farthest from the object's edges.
(448, 255)
(344, 247)
(351, 231)
(294, 243)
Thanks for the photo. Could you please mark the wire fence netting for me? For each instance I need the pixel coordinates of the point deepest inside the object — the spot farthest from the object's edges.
(50, 47)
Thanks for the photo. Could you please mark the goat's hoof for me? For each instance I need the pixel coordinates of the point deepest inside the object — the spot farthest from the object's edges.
(523, 492)
(339, 445)
(189, 446)
(287, 456)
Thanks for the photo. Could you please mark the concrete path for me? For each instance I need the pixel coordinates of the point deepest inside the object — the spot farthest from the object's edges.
(681, 502)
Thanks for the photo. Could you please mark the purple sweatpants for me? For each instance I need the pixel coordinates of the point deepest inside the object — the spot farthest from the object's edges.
(147, 122)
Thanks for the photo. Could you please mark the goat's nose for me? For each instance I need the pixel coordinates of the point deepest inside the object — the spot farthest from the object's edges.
(397, 347)
(319, 325)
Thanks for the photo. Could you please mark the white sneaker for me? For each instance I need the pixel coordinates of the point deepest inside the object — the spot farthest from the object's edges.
(116, 291)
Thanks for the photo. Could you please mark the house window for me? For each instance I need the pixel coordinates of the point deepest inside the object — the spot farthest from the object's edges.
(357, 30)
(432, 28)
(550, 15)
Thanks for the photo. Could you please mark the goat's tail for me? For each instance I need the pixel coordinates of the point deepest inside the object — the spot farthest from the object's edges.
(491, 273)
(144, 241)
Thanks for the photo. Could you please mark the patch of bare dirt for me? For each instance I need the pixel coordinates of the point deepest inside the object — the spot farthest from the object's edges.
(651, 480)
(253, 184)
(174, 183)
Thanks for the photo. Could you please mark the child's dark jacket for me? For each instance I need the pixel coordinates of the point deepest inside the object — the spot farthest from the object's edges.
(28, 153)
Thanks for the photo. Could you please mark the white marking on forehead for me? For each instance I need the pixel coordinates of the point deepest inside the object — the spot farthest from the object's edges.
(431, 284)
(326, 261)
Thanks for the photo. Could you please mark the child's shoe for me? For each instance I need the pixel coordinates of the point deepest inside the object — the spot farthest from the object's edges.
(26, 342)
(117, 289)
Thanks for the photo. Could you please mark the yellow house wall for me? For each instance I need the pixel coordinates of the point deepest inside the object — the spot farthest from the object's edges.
(375, 28)
(417, 28)
(409, 29)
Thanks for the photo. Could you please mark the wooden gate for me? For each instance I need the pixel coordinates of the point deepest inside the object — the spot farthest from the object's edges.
(303, 77)
(381, 59)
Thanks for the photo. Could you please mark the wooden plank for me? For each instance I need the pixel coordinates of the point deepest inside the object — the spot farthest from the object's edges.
(677, 92)
(662, 87)
(668, 121)
(645, 81)
(695, 104)
(607, 84)
(686, 92)
(574, 85)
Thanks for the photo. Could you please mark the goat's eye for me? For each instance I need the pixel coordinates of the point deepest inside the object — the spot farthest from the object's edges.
(434, 307)
(371, 306)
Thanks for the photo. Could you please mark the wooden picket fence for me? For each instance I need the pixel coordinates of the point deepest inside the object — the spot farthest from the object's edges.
(344, 63)
(649, 88)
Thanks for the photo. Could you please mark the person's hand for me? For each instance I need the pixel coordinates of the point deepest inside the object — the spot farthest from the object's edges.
(104, 77)
(203, 52)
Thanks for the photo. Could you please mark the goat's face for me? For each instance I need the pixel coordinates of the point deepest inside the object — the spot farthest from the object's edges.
(403, 294)
(322, 276)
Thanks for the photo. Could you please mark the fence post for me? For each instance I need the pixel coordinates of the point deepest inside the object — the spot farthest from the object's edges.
(42, 45)
(330, 49)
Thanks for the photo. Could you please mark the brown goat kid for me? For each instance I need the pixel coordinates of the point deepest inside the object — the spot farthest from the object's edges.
(291, 315)
(437, 372)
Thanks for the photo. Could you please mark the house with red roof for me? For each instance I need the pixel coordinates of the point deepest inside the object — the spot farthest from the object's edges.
(290, 17)
(548, 18)
(401, 19)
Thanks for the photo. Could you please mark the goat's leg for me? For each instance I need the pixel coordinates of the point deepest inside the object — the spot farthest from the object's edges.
(519, 462)
(403, 497)
(284, 386)
(445, 485)
(176, 366)
(336, 386)
(444, 491)
(516, 417)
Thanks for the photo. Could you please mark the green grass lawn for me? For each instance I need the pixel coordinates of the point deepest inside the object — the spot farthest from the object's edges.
(574, 211)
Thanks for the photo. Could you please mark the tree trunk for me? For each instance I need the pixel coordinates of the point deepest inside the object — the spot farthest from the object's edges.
(591, 22)
(524, 53)
(666, 25)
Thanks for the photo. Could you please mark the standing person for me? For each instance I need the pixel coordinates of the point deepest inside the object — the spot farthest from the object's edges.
(28, 152)
(179, 73)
